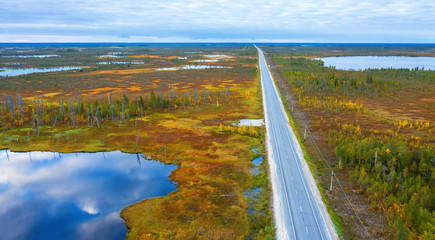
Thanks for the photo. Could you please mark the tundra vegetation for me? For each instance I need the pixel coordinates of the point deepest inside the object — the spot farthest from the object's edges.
(183, 117)
(379, 124)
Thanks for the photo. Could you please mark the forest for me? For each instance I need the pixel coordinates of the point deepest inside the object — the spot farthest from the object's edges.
(16, 114)
(380, 124)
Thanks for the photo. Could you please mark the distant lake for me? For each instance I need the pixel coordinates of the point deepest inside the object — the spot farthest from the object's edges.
(217, 56)
(105, 63)
(109, 56)
(31, 56)
(206, 60)
(10, 72)
(47, 195)
(14, 63)
(189, 67)
(365, 62)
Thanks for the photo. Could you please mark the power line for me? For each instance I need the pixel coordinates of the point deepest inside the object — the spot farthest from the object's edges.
(308, 133)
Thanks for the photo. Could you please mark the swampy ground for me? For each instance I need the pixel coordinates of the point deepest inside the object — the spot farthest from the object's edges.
(174, 116)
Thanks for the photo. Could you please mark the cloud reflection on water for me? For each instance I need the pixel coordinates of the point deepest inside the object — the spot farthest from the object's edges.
(48, 195)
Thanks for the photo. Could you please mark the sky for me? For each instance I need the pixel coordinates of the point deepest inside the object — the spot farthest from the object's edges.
(386, 21)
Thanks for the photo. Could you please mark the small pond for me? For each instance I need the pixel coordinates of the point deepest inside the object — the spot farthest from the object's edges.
(189, 67)
(47, 195)
(365, 62)
(253, 195)
(10, 72)
(250, 122)
(255, 170)
(206, 60)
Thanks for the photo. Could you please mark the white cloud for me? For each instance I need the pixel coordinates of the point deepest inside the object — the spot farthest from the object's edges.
(90, 206)
(224, 19)
(52, 184)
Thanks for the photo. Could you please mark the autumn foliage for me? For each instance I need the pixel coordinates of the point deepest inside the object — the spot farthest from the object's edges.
(389, 151)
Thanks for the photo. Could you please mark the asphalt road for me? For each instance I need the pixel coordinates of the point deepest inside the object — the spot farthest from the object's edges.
(296, 207)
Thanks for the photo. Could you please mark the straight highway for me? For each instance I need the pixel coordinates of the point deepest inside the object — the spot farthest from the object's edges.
(298, 208)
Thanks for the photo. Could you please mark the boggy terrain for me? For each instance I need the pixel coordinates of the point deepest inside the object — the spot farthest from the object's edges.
(177, 116)
(374, 128)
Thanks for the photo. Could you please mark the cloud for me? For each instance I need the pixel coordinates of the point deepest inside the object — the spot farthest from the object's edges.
(56, 193)
(225, 19)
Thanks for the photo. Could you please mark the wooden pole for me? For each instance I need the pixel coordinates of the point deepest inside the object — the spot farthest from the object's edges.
(305, 132)
(332, 178)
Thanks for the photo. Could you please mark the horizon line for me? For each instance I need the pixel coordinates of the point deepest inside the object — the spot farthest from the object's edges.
(217, 42)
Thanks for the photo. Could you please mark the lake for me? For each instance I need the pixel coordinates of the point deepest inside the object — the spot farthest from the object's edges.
(10, 72)
(109, 56)
(189, 67)
(365, 62)
(105, 63)
(14, 63)
(206, 60)
(32, 56)
(217, 56)
(48, 195)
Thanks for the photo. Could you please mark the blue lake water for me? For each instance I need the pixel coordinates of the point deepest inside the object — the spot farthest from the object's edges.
(257, 161)
(109, 56)
(206, 60)
(251, 122)
(217, 56)
(189, 67)
(255, 170)
(32, 56)
(253, 193)
(14, 63)
(46, 195)
(105, 63)
(365, 62)
(9, 72)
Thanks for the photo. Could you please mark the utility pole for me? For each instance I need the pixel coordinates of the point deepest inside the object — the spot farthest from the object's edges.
(332, 178)
(305, 132)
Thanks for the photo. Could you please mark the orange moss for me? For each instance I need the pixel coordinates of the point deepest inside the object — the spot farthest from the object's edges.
(117, 72)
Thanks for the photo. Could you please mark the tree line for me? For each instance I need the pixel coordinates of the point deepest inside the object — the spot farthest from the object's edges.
(16, 113)
(391, 161)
